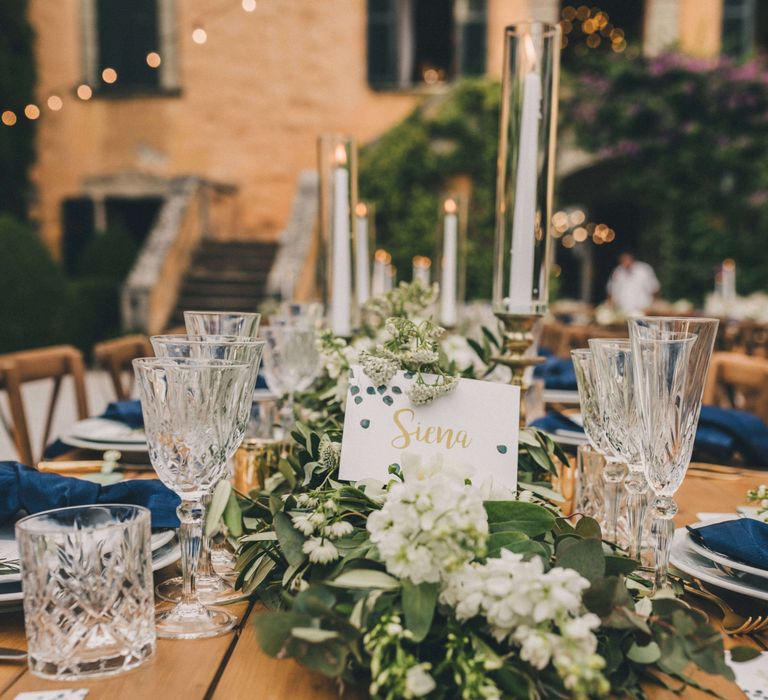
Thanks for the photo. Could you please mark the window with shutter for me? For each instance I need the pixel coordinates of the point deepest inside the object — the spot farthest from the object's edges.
(382, 44)
(738, 27)
(472, 29)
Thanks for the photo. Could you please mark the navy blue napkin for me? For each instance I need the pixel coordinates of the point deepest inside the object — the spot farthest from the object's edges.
(127, 412)
(557, 373)
(743, 539)
(554, 420)
(24, 489)
(724, 431)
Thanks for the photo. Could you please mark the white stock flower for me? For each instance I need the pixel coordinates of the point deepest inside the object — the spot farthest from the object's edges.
(320, 551)
(303, 523)
(418, 682)
(539, 611)
(342, 528)
(429, 527)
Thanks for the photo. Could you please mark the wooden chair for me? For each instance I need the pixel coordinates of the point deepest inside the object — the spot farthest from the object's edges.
(738, 381)
(115, 357)
(54, 363)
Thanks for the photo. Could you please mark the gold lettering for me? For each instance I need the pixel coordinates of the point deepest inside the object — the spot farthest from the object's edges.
(429, 435)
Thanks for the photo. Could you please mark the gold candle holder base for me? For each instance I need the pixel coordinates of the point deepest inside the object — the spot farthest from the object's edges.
(518, 336)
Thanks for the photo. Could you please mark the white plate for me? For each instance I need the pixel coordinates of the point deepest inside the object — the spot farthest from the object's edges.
(9, 550)
(690, 562)
(164, 556)
(560, 396)
(105, 430)
(73, 441)
(721, 558)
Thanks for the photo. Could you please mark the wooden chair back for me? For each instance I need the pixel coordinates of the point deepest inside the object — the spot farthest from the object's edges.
(54, 363)
(115, 357)
(738, 381)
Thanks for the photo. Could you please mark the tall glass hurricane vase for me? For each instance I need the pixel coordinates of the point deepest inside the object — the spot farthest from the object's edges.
(593, 418)
(191, 409)
(616, 383)
(671, 359)
(526, 168)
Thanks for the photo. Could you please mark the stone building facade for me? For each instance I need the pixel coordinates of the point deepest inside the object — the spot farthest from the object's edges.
(241, 90)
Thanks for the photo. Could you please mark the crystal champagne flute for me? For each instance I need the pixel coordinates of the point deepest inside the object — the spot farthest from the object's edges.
(670, 358)
(191, 413)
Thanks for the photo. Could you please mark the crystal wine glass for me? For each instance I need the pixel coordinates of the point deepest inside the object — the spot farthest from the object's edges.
(239, 323)
(291, 363)
(191, 416)
(616, 383)
(670, 359)
(212, 588)
(592, 414)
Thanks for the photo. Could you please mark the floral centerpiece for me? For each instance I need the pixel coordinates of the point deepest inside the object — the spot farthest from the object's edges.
(424, 586)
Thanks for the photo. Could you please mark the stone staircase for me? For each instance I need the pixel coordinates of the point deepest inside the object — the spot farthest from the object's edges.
(225, 276)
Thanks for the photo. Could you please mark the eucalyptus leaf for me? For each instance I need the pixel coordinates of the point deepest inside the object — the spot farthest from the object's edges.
(216, 508)
(233, 516)
(742, 654)
(291, 540)
(528, 518)
(504, 540)
(648, 654)
(313, 635)
(256, 576)
(584, 556)
(365, 578)
(273, 629)
(419, 602)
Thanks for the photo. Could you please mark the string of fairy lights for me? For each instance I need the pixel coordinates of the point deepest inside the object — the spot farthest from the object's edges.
(594, 25)
(55, 101)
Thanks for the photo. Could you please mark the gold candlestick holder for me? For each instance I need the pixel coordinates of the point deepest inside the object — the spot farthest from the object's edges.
(519, 337)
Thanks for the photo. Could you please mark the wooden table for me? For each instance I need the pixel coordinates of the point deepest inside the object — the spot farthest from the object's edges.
(233, 666)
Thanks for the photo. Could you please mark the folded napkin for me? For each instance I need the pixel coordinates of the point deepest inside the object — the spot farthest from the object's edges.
(127, 412)
(24, 489)
(723, 431)
(742, 539)
(557, 373)
(554, 420)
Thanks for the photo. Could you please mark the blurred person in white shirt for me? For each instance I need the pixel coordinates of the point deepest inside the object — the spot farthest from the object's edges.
(633, 285)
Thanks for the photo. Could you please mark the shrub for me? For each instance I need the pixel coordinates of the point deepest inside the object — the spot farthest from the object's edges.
(33, 290)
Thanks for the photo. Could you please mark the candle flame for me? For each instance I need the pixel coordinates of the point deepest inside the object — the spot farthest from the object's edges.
(729, 264)
(382, 256)
(529, 49)
(340, 155)
(361, 209)
(422, 261)
(450, 206)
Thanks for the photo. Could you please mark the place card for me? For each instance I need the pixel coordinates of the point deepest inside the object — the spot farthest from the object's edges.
(66, 694)
(472, 428)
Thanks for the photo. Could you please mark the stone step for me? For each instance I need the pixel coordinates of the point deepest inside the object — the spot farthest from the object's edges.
(222, 289)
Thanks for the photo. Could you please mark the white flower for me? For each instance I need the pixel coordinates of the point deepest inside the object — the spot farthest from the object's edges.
(418, 682)
(303, 523)
(429, 526)
(342, 528)
(380, 369)
(320, 551)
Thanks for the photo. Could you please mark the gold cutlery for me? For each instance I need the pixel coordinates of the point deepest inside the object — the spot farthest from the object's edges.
(733, 623)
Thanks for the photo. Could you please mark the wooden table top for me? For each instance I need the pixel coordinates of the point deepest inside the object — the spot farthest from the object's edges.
(233, 666)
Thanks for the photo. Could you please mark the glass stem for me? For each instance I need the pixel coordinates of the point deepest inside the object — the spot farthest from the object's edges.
(192, 515)
(613, 475)
(204, 565)
(662, 531)
(637, 501)
(286, 413)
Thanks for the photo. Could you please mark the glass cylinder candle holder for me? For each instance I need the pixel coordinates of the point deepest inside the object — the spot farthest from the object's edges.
(451, 258)
(337, 158)
(526, 168)
(382, 261)
(365, 243)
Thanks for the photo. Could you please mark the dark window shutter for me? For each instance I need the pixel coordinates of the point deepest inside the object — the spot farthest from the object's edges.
(472, 38)
(382, 43)
(77, 215)
(128, 31)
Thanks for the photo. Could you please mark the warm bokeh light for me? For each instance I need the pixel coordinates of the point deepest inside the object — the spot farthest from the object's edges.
(153, 59)
(582, 12)
(382, 256)
(199, 35)
(557, 270)
(84, 92)
(361, 209)
(55, 103)
(8, 118)
(32, 112)
(569, 13)
(421, 261)
(431, 76)
(729, 264)
(577, 217)
(593, 41)
(450, 206)
(249, 5)
(109, 75)
(568, 241)
(580, 234)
